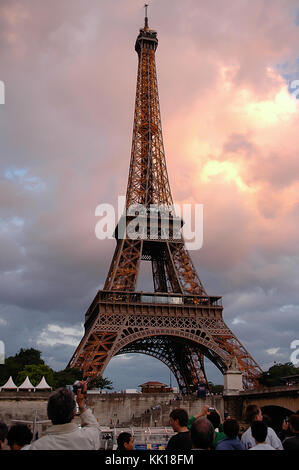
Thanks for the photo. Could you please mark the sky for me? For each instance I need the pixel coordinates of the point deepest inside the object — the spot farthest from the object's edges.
(230, 121)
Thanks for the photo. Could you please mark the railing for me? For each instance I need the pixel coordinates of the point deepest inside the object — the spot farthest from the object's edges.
(149, 298)
(158, 298)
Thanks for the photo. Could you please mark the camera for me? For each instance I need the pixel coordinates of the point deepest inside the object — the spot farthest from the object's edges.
(211, 408)
(78, 385)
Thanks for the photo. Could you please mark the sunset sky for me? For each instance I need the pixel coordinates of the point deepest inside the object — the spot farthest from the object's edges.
(230, 122)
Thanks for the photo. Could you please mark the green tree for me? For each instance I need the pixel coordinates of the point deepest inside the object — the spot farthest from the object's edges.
(101, 383)
(35, 372)
(29, 357)
(15, 364)
(276, 372)
(215, 388)
(67, 377)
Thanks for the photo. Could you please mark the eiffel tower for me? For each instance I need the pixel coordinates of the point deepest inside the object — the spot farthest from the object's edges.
(178, 323)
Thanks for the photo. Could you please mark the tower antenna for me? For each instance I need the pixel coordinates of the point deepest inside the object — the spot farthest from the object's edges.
(146, 18)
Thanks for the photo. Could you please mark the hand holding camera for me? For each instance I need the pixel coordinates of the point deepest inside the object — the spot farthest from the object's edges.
(80, 390)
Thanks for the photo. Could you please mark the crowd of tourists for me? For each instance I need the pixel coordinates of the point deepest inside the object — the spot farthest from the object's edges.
(204, 431)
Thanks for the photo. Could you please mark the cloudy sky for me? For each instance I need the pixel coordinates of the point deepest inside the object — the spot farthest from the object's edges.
(230, 122)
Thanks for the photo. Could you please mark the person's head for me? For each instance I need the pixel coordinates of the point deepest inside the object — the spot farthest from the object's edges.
(19, 436)
(267, 420)
(3, 434)
(125, 441)
(214, 417)
(231, 428)
(253, 413)
(259, 431)
(178, 419)
(61, 406)
(294, 423)
(202, 434)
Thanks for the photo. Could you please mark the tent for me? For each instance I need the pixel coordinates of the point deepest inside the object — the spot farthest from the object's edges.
(10, 385)
(42, 385)
(26, 385)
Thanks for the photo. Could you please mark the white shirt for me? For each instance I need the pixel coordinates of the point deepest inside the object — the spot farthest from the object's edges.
(271, 439)
(71, 437)
(27, 447)
(262, 447)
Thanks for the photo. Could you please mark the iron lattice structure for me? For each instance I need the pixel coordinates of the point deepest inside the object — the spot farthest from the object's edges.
(178, 323)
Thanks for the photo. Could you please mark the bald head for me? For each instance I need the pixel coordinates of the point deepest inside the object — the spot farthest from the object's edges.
(202, 434)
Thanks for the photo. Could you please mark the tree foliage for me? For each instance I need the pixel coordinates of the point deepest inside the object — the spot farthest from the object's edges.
(35, 372)
(15, 364)
(28, 362)
(101, 383)
(215, 388)
(276, 372)
(66, 377)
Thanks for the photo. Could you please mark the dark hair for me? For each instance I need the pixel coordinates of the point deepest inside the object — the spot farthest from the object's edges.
(214, 418)
(294, 421)
(267, 420)
(231, 428)
(180, 415)
(259, 431)
(251, 412)
(123, 438)
(3, 431)
(19, 434)
(61, 406)
(202, 434)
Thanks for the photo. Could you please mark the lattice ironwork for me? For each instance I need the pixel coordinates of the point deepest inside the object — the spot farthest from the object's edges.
(178, 323)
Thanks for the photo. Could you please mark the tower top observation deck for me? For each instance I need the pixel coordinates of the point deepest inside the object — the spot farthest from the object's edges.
(147, 37)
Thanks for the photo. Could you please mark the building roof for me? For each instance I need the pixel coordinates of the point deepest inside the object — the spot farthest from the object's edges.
(153, 383)
(26, 384)
(9, 384)
(43, 384)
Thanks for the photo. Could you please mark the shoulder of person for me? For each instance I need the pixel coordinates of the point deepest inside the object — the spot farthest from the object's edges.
(38, 444)
(271, 431)
(246, 434)
(272, 434)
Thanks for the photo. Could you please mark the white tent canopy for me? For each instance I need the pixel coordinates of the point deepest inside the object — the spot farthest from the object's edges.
(9, 385)
(26, 385)
(42, 385)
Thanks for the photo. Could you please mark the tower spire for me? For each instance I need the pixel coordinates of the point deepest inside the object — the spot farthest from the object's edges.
(146, 17)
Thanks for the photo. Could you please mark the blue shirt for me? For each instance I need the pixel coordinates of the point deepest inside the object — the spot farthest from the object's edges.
(230, 444)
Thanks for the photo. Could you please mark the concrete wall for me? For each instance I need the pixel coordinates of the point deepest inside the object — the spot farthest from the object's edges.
(22, 405)
(144, 409)
(122, 409)
(125, 409)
